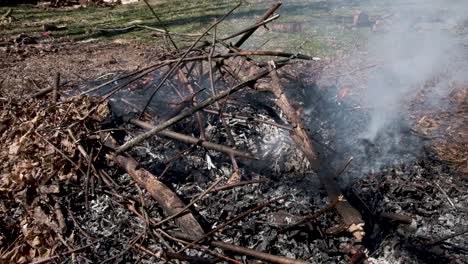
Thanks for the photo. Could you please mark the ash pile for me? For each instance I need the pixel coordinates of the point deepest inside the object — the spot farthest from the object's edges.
(213, 154)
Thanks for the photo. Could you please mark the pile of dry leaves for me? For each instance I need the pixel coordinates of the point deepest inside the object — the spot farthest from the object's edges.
(40, 155)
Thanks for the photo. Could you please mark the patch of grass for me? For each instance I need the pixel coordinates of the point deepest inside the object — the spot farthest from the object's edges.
(323, 22)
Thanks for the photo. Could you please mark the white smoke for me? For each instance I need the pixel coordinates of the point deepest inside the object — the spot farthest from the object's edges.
(418, 43)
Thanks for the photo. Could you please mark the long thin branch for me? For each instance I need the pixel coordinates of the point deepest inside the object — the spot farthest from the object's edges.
(257, 254)
(267, 14)
(195, 141)
(188, 113)
(233, 220)
(162, 24)
(251, 27)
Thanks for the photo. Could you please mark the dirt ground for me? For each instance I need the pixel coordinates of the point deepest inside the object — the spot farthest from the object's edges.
(30, 67)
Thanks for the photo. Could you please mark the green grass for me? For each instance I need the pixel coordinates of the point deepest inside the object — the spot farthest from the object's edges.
(323, 33)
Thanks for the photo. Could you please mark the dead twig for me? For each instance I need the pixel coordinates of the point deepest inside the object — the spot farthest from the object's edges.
(183, 210)
(238, 184)
(193, 140)
(56, 87)
(315, 215)
(179, 61)
(49, 259)
(254, 27)
(442, 239)
(265, 16)
(257, 254)
(202, 248)
(60, 152)
(233, 220)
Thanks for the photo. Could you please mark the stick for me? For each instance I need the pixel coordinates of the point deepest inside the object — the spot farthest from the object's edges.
(257, 254)
(193, 140)
(169, 73)
(63, 254)
(267, 14)
(42, 92)
(315, 215)
(159, 20)
(56, 87)
(187, 113)
(235, 167)
(233, 220)
(251, 27)
(442, 239)
(190, 204)
(212, 252)
(60, 152)
(238, 184)
(184, 80)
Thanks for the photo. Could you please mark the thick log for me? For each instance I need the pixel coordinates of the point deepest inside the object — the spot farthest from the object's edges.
(166, 198)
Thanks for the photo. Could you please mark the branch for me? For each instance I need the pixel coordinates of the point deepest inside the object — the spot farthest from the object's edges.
(192, 140)
(188, 113)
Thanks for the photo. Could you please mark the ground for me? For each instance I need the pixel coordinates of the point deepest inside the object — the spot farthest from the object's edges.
(430, 189)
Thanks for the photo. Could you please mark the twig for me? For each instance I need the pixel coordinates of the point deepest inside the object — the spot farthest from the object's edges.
(183, 78)
(214, 253)
(233, 220)
(442, 239)
(193, 140)
(49, 259)
(257, 25)
(159, 20)
(121, 78)
(199, 197)
(169, 73)
(56, 87)
(186, 113)
(238, 184)
(90, 163)
(316, 214)
(257, 254)
(267, 14)
(60, 152)
(42, 92)
(170, 32)
(170, 255)
(445, 194)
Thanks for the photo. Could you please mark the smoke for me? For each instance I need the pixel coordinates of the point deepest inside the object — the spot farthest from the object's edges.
(417, 44)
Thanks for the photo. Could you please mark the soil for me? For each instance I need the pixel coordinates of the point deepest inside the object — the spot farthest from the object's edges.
(30, 67)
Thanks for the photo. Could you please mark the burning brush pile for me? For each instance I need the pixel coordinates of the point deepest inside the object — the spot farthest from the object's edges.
(206, 156)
